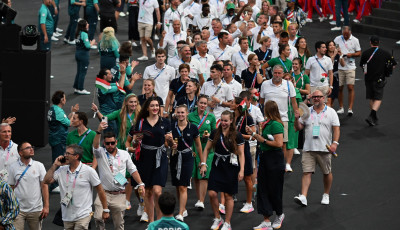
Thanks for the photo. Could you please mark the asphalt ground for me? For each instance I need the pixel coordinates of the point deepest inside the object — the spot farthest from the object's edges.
(365, 191)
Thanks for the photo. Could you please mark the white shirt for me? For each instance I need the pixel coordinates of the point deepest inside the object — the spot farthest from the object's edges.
(200, 21)
(171, 15)
(220, 54)
(194, 64)
(146, 9)
(219, 6)
(328, 120)
(257, 116)
(317, 73)
(82, 195)
(239, 60)
(293, 51)
(29, 190)
(13, 156)
(256, 10)
(205, 64)
(121, 163)
(352, 45)
(226, 20)
(235, 86)
(162, 79)
(267, 32)
(170, 41)
(279, 94)
(224, 94)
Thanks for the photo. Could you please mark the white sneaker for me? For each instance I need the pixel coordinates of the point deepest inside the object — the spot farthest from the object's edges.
(59, 30)
(134, 44)
(93, 47)
(350, 112)
(342, 19)
(222, 209)
(247, 208)
(56, 190)
(356, 21)
(278, 221)
(331, 17)
(143, 58)
(98, 18)
(71, 42)
(321, 19)
(122, 14)
(301, 200)
(288, 168)
(325, 199)
(332, 23)
(53, 38)
(66, 40)
(398, 42)
(340, 111)
(336, 28)
(83, 92)
(153, 55)
(308, 20)
(140, 210)
(179, 217)
(57, 34)
(296, 151)
(199, 205)
(264, 226)
(226, 226)
(217, 223)
(144, 218)
(185, 213)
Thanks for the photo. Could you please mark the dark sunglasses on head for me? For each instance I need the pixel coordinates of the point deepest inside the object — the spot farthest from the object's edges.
(109, 143)
(317, 97)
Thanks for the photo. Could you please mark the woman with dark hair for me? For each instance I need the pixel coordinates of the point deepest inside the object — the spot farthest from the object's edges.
(334, 53)
(294, 14)
(148, 136)
(282, 59)
(302, 81)
(148, 87)
(126, 50)
(205, 123)
(252, 76)
(302, 50)
(82, 56)
(190, 99)
(271, 167)
(181, 160)
(226, 171)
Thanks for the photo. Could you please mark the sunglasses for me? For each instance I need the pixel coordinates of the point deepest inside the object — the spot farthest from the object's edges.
(109, 143)
(314, 97)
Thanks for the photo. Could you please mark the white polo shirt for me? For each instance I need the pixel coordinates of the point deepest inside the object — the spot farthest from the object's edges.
(257, 116)
(200, 21)
(146, 9)
(194, 64)
(352, 45)
(212, 42)
(235, 86)
(316, 71)
(8, 156)
(219, 6)
(121, 163)
(326, 120)
(171, 15)
(28, 191)
(205, 64)
(82, 196)
(162, 78)
(267, 32)
(279, 94)
(275, 51)
(223, 94)
(239, 60)
(170, 41)
(220, 54)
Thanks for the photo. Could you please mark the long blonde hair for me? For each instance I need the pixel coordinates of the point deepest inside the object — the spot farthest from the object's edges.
(124, 113)
(108, 39)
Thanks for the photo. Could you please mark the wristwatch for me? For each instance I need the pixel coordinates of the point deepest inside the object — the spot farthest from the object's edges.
(220, 102)
(106, 210)
(331, 86)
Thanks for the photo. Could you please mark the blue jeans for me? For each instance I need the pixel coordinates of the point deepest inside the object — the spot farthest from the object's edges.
(91, 15)
(82, 61)
(56, 151)
(73, 22)
(339, 5)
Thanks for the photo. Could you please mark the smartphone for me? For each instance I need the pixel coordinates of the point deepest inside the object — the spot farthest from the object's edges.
(63, 160)
(337, 46)
(104, 119)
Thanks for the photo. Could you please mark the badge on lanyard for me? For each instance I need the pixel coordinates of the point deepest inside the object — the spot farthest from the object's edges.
(315, 131)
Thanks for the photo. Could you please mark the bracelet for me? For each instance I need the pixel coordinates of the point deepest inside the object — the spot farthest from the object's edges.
(97, 132)
(203, 163)
(137, 186)
(331, 86)
(337, 143)
(106, 210)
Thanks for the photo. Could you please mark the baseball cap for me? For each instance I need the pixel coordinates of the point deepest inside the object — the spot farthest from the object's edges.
(374, 39)
(230, 6)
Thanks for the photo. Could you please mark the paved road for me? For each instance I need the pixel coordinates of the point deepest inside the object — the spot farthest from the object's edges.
(365, 193)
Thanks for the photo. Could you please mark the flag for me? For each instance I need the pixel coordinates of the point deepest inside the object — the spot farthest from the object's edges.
(102, 84)
(120, 89)
(244, 106)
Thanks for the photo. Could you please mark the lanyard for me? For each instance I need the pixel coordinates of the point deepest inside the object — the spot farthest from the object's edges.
(372, 54)
(241, 55)
(223, 144)
(181, 136)
(130, 119)
(76, 176)
(159, 73)
(217, 90)
(254, 79)
(8, 150)
(294, 43)
(144, 2)
(302, 80)
(283, 64)
(184, 84)
(200, 57)
(322, 115)
(20, 177)
(202, 121)
(316, 58)
(214, 38)
(344, 42)
(110, 162)
(266, 54)
(83, 138)
(220, 55)
(265, 124)
(141, 124)
(241, 123)
(193, 103)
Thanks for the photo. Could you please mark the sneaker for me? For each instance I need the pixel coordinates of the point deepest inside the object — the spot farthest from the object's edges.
(127, 13)
(59, 30)
(398, 42)
(82, 92)
(71, 42)
(53, 38)
(122, 14)
(66, 40)
(234, 197)
(226, 226)
(56, 190)
(134, 44)
(296, 151)
(288, 168)
(199, 205)
(325, 199)
(301, 200)
(370, 121)
(128, 205)
(57, 34)
(342, 19)
(264, 226)
(247, 208)
(308, 20)
(93, 47)
(331, 17)
(321, 19)
(98, 18)
(278, 221)
(143, 58)
(336, 28)
(140, 210)
(350, 112)
(156, 37)
(179, 217)
(217, 223)
(340, 111)
(144, 218)
(185, 213)
(222, 209)
(356, 21)
(153, 55)
(332, 23)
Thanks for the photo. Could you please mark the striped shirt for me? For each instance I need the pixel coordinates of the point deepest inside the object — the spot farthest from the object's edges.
(9, 207)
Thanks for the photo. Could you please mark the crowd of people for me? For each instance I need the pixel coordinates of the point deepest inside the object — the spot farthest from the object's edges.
(234, 93)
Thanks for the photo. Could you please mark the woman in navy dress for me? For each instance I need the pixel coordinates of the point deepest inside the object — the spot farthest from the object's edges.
(225, 169)
(149, 134)
(182, 157)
